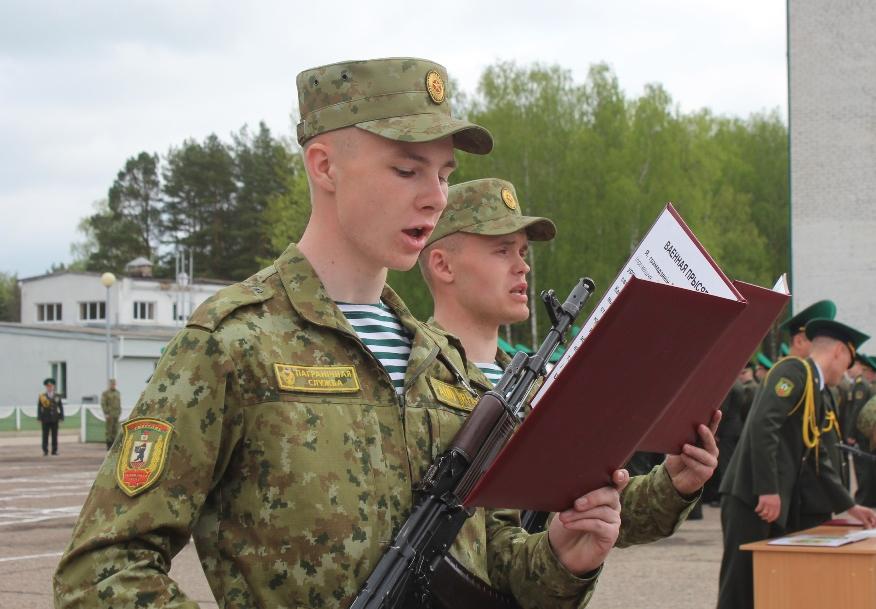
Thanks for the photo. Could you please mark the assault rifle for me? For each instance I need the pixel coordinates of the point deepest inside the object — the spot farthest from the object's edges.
(857, 452)
(402, 576)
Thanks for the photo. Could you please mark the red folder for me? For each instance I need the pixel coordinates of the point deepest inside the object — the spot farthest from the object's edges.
(656, 364)
(709, 384)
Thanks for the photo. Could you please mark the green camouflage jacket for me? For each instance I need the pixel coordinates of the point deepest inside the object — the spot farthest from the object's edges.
(273, 437)
(651, 508)
(111, 402)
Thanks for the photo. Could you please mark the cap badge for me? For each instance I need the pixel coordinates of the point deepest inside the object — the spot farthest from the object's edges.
(508, 198)
(435, 86)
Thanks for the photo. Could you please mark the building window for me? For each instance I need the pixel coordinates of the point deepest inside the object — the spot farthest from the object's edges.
(49, 311)
(144, 310)
(178, 315)
(92, 311)
(59, 373)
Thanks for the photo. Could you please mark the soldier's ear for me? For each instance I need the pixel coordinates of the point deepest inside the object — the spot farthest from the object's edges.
(440, 266)
(319, 164)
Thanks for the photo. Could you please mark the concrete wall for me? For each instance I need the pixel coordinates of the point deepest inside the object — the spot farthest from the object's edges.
(28, 353)
(21, 375)
(832, 79)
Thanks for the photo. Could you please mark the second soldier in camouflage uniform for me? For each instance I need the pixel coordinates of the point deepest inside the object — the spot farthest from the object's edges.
(270, 433)
(475, 266)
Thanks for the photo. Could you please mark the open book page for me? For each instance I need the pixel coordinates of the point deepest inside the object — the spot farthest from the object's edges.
(813, 541)
(782, 284)
(669, 253)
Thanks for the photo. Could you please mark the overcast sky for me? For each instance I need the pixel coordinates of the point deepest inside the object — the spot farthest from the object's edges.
(84, 85)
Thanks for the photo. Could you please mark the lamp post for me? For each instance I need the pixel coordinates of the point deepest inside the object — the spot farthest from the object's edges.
(107, 280)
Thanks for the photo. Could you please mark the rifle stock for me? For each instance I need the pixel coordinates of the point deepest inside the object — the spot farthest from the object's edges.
(402, 576)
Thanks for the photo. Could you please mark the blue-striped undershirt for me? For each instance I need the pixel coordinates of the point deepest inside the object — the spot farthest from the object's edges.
(380, 330)
(492, 371)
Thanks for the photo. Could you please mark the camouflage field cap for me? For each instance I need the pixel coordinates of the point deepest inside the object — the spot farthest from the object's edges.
(403, 99)
(488, 207)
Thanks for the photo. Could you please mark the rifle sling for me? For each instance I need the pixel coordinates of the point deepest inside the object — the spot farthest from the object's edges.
(454, 587)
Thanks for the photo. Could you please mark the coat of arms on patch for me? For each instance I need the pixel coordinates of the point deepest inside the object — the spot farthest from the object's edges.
(143, 454)
(784, 387)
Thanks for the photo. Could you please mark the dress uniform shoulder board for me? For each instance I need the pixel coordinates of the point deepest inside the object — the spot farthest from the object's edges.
(224, 302)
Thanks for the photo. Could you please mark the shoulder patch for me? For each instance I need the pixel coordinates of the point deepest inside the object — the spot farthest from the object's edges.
(143, 454)
(784, 387)
(224, 302)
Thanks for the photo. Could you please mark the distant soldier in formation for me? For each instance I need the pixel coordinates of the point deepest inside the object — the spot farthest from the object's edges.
(732, 410)
(749, 387)
(50, 411)
(870, 372)
(760, 494)
(111, 404)
(762, 365)
(857, 396)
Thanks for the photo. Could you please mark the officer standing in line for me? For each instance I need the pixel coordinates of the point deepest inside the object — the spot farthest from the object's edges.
(762, 365)
(475, 267)
(111, 405)
(815, 506)
(749, 386)
(733, 409)
(50, 411)
(279, 431)
(760, 494)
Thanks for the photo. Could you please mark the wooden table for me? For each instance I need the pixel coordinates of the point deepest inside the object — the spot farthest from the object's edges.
(799, 577)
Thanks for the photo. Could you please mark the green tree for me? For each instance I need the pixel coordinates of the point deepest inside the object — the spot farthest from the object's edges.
(287, 212)
(199, 204)
(10, 298)
(602, 165)
(269, 176)
(111, 240)
(135, 196)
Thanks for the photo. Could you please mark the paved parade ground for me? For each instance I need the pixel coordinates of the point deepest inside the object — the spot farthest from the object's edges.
(40, 498)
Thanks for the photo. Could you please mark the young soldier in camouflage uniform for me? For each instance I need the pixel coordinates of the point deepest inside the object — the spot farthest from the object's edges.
(475, 267)
(272, 435)
(111, 405)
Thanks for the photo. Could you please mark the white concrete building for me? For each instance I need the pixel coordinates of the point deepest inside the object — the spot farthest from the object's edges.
(79, 299)
(832, 112)
(63, 334)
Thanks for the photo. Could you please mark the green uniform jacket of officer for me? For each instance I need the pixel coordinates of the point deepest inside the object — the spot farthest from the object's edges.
(651, 508)
(291, 495)
(50, 409)
(816, 494)
(768, 459)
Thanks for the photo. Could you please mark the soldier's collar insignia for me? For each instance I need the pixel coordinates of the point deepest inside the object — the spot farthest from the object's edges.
(508, 199)
(453, 396)
(784, 387)
(435, 87)
(316, 379)
(143, 454)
